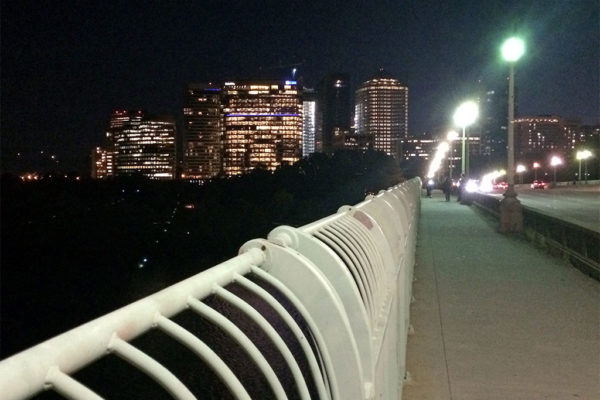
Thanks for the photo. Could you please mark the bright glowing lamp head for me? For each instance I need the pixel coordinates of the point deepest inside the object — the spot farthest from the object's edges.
(583, 154)
(521, 168)
(513, 49)
(555, 161)
(466, 114)
(452, 135)
(536, 165)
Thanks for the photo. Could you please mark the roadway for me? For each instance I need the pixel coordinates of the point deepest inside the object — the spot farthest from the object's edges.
(578, 204)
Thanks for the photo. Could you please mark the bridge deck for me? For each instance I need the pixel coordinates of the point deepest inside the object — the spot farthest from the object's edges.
(496, 318)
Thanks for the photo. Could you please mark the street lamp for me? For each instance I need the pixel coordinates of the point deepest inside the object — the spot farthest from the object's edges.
(511, 213)
(583, 155)
(452, 136)
(464, 116)
(536, 165)
(520, 169)
(555, 161)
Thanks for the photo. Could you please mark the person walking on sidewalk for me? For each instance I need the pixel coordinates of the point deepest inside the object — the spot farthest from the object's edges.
(429, 187)
(447, 187)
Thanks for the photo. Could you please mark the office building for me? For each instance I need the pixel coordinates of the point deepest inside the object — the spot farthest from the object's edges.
(102, 163)
(493, 121)
(381, 111)
(309, 121)
(203, 131)
(334, 113)
(143, 145)
(419, 147)
(262, 125)
(539, 134)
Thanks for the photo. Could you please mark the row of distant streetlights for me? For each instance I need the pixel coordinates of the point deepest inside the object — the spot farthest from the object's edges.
(511, 216)
(555, 162)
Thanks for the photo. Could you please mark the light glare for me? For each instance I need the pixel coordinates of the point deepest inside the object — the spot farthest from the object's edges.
(555, 161)
(466, 114)
(513, 49)
(452, 135)
(583, 154)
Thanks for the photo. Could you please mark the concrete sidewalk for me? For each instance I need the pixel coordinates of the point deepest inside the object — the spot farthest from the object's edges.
(496, 318)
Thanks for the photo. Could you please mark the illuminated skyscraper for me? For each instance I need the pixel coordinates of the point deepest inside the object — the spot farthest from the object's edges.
(381, 111)
(263, 125)
(102, 163)
(203, 127)
(143, 145)
(334, 114)
(309, 121)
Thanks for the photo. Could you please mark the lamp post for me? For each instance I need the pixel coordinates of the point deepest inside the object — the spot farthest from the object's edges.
(583, 155)
(464, 116)
(520, 169)
(452, 136)
(511, 213)
(536, 165)
(555, 161)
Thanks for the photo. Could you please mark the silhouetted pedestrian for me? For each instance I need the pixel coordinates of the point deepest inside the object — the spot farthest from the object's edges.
(447, 187)
(429, 186)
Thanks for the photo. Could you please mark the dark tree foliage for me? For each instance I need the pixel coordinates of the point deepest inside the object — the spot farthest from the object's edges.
(74, 250)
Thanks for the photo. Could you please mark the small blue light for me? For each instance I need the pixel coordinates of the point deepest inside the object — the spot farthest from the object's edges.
(213, 90)
(290, 82)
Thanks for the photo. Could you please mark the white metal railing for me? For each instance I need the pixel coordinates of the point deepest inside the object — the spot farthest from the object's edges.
(348, 276)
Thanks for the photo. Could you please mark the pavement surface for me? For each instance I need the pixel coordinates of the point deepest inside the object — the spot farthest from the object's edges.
(496, 318)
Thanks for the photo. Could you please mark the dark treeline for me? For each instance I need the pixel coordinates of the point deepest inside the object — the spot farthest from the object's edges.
(74, 250)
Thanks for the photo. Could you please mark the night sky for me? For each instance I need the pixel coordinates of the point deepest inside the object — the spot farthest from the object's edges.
(67, 64)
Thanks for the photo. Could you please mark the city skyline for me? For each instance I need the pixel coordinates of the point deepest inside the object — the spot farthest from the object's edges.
(66, 68)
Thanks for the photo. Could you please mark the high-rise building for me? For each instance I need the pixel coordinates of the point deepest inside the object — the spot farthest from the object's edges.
(102, 163)
(493, 121)
(262, 125)
(203, 131)
(143, 145)
(381, 111)
(334, 113)
(309, 121)
(539, 134)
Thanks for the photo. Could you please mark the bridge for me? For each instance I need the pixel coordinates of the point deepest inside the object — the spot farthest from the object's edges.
(330, 311)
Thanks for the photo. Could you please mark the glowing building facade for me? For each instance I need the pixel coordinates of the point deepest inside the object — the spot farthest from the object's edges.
(539, 134)
(381, 111)
(102, 163)
(203, 131)
(309, 121)
(144, 145)
(262, 125)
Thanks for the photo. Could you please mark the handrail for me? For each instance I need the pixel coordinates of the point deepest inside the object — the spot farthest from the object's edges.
(341, 286)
